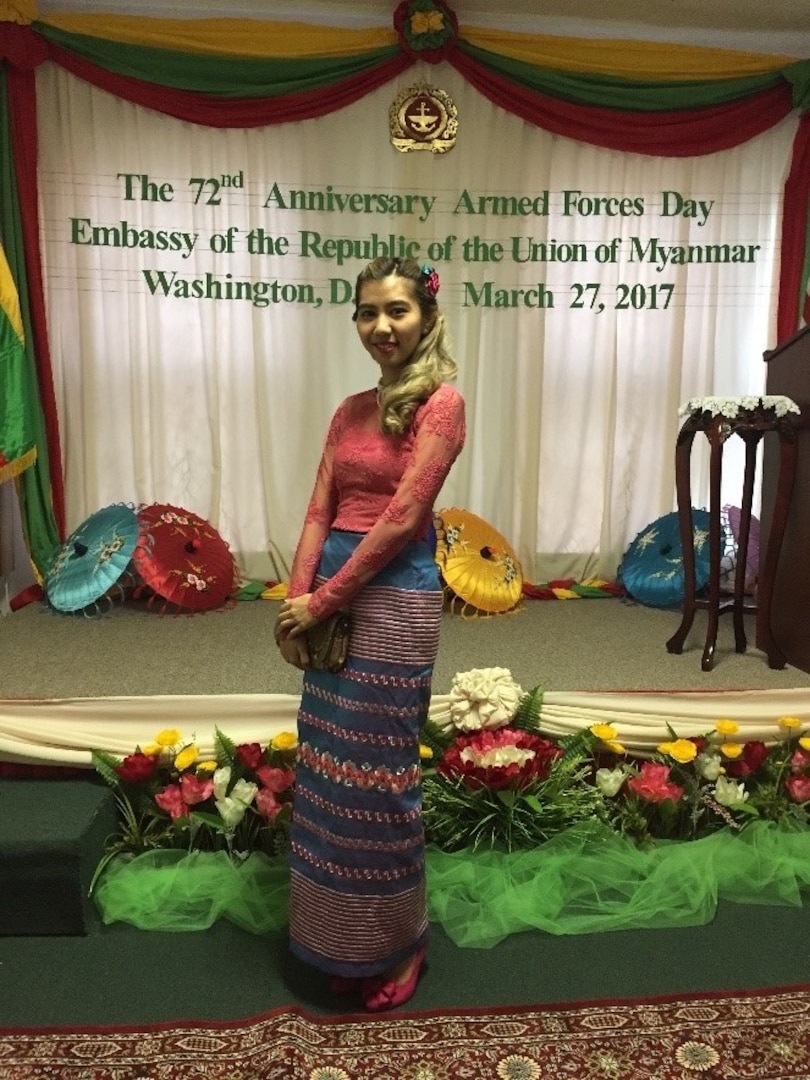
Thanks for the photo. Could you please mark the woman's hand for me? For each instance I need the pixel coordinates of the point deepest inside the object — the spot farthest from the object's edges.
(294, 618)
(295, 652)
(292, 622)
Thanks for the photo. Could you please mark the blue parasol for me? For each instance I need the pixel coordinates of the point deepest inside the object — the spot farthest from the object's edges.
(652, 567)
(89, 566)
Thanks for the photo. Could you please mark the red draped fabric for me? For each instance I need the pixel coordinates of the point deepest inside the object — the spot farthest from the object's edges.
(685, 133)
(223, 112)
(23, 115)
(794, 236)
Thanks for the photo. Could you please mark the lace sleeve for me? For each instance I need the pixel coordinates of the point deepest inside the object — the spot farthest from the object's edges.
(439, 437)
(319, 516)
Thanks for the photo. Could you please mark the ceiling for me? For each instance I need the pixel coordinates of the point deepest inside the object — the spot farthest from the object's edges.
(767, 26)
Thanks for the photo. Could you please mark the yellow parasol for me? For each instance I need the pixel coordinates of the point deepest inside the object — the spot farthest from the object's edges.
(477, 565)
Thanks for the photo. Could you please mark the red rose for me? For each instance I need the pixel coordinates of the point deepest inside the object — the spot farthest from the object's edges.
(753, 755)
(137, 768)
(505, 758)
(250, 755)
(798, 788)
(652, 784)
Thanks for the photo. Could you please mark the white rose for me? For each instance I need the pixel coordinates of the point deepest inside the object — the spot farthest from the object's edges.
(709, 765)
(499, 757)
(729, 792)
(484, 699)
(609, 781)
(232, 807)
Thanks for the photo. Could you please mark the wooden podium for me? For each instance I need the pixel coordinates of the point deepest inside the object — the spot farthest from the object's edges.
(789, 374)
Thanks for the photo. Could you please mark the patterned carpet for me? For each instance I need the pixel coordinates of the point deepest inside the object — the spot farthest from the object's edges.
(755, 1036)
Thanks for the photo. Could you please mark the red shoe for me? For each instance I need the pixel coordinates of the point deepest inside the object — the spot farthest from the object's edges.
(381, 993)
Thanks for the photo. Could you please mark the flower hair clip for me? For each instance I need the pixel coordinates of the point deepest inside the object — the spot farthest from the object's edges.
(430, 278)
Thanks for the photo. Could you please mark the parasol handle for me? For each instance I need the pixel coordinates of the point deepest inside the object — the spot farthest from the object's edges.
(193, 545)
(79, 548)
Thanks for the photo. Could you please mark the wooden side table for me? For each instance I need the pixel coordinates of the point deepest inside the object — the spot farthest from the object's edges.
(719, 418)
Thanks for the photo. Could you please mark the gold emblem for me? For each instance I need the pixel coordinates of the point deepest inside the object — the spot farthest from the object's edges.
(423, 118)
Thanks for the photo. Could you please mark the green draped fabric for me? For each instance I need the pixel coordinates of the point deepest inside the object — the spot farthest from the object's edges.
(584, 880)
(34, 484)
(245, 77)
(611, 92)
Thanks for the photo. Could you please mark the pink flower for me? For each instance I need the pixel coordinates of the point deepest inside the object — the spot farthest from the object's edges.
(250, 755)
(171, 800)
(504, 758)
(652, 784)
(800, 760)
(798, 788)
(267, 804)
(276, 780)
(194, 790)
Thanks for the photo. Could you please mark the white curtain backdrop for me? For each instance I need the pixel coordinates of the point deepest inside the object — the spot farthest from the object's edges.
(220, 406)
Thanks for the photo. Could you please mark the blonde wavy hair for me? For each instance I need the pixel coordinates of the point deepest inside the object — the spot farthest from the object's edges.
(431, 364)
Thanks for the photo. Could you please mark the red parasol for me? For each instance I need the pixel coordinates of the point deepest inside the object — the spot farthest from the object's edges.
(183, 559)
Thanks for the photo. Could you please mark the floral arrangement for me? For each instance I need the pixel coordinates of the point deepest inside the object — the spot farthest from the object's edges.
(170, 796)
(492, 779)
(426, 29)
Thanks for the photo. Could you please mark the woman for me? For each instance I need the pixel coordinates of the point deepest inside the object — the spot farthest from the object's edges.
(357, 903)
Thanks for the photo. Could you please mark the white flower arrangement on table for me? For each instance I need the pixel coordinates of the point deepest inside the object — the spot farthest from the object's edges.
(733, 406)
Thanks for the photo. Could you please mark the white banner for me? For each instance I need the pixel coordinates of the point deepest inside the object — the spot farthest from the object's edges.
(198, 286)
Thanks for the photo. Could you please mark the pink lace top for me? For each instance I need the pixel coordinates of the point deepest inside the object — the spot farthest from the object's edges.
(378, 484)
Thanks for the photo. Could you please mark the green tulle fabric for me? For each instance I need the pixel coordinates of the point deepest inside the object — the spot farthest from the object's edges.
(184, 891)
(584, 880)
(588, 879)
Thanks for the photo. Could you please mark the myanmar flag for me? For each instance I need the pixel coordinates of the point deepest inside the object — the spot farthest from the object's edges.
(17, 418)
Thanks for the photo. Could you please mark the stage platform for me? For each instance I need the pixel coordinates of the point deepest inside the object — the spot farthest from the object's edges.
(72, 683)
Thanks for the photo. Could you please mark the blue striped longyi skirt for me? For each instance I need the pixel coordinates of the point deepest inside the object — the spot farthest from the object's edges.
(357, 895)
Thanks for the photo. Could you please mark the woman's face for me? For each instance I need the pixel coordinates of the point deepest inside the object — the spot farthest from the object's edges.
(390, 323)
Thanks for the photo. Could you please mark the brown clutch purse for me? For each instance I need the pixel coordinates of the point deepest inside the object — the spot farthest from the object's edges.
(328, 642)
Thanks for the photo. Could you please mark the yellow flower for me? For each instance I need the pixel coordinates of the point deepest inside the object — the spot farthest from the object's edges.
(614, 746)
(426, 22)
(682, 750)
(425, 753)
(152, 748)
(731, 749)
(727, 727)
(605, 732)
(168, 737)
(789, 723)
(187, 756)
(285, 740)
(804, 743)
(208, 766)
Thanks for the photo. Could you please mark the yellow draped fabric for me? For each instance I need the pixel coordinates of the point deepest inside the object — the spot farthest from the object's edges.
(642, 60)
(257, 38)
(251, 38)
(9, 298)
(21, 12)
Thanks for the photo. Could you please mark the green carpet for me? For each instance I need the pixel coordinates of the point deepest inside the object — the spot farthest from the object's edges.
(119, 975)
